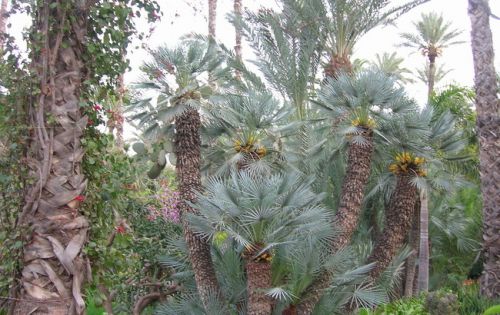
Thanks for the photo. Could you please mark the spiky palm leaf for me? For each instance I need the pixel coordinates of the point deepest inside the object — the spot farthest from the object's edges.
(390, 64)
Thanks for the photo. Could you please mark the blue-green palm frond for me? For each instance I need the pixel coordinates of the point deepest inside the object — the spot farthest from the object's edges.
(272, 211)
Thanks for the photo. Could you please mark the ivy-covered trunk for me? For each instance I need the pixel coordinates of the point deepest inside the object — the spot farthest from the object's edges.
(258, 280)
(53, 269)
(346, 219)
(398, 219)
(488, 130)
(187, 151)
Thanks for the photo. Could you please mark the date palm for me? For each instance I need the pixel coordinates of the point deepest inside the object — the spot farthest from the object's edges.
(488, 122)
(432, 37)
(390, 64)
(179, 102)
(53, 270)
(424, 74)
(345, 22)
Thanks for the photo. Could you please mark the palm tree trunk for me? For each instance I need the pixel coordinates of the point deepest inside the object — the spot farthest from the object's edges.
(432, 76)
(347, 216)
(187, 151)
(397, 222)
(488, 130)
(212, 17)
(423, 260)
(258, 280)
(53, 269)
(237, 29)
(3, 18)
(411, 267)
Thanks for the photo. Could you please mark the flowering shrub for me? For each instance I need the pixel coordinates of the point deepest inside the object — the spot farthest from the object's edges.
(167, 207)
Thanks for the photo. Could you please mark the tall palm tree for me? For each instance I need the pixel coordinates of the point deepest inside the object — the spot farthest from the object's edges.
(390, 64)
(237, 28)
(53, 270)
(354, 99)
(488, 122)
(261, 214)
(180, 104)
(432, 37)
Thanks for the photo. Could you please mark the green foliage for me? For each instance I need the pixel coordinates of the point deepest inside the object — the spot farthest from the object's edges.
(494, 310)
(472, 302)
(409, 306)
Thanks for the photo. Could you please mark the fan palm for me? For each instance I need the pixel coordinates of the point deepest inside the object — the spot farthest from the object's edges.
(390, 64)
(356, 106)
(486, 85)
(261, 214)
(432, 37)
(174, 75)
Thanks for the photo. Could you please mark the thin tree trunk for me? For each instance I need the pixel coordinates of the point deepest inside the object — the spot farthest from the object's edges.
(397, 222)
(488, 130)
(237, 30)
(347, 216)
(3, 19)
(411, 266)
(187, 151)
(119, 112)
(53, 269)
(423, 260)
(212, 17)
(258, 280)
(432, 77)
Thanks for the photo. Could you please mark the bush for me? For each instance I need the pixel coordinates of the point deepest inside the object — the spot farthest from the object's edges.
(442, 302)
(471, 302)
(410, 306)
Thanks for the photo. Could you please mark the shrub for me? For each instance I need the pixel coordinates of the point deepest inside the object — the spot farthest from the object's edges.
(442, 302)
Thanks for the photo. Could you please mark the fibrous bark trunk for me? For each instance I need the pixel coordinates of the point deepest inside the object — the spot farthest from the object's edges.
(258, 280)
(347, 217)
(53, 269)
(488, 130)
(3, 19)
(411, 267)
(423, 258)
(398, 219)
(187, 151)
(338, 65)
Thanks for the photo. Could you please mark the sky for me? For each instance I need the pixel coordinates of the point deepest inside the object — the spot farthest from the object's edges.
(181, 18)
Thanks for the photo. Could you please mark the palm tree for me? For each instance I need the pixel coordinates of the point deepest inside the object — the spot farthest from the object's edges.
(261, 215)
(53, 270)
(488, 120)
(186, 64)
(433, 36)
(237, 28)
(345, 22)
(398, 216)
(390, 64)
(354, 99)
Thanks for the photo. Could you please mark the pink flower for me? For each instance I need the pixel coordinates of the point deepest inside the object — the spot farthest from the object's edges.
(97, 107)
(120, 229)
(80, 198)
